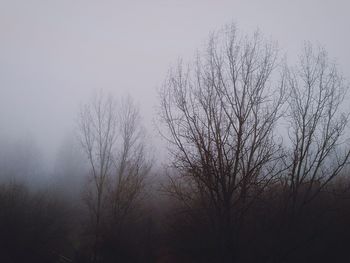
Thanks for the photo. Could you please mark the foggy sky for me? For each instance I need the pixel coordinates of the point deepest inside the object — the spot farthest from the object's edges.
(53, 54)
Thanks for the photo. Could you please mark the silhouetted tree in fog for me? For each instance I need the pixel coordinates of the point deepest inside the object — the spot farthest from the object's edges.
(317, 152)
(113, 140)
(98, 127)
(131, 162)
(319, 146)
(220, 113)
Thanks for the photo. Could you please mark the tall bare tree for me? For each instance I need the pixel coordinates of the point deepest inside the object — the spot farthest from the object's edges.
(131, 162)
(114, 141)
(319, 146)
(98, 126)
(220, 113)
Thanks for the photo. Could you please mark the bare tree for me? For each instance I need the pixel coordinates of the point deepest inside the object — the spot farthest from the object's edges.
(114, 141)
(98, 127)
(220, 113)
(319, 148)
(131, 162)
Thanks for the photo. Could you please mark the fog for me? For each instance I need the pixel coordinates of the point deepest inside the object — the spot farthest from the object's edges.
(61, 61)
(53, 55)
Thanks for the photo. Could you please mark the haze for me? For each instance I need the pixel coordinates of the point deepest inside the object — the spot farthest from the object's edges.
(54, 54)
(174, 131)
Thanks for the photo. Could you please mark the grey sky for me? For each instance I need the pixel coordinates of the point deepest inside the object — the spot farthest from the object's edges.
(53, 54)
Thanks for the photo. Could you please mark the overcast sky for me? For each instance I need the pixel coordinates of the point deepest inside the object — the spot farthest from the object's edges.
(53, 54)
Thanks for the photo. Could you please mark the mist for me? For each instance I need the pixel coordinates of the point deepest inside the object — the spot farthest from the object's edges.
(62, 60)
(54, 55)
